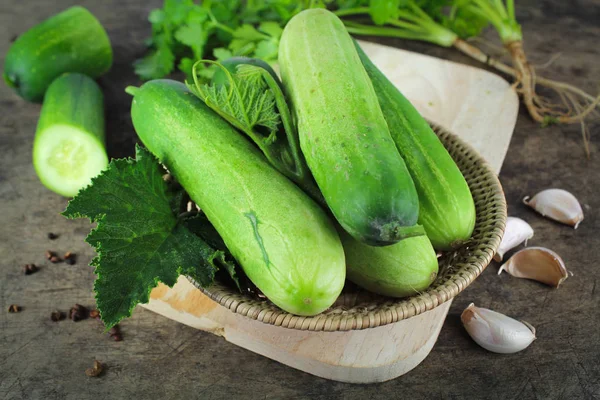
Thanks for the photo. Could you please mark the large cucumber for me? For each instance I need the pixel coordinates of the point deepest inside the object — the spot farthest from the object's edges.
(71, 41)
(446, 211)
(402, 269)
(285, 243)
(68, 150)
(343, 134)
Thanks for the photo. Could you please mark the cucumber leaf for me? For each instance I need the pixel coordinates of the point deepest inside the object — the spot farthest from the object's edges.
(139, 239)
(252, 101)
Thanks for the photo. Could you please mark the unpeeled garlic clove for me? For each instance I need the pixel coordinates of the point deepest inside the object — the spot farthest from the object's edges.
(516, 232)
(537, 263)
(496, 332)
(557, 204)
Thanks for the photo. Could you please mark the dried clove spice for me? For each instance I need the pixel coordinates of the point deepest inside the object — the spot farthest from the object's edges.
(57, 316)
(115, 333)
(70, 258)
(13, 308)
(29, 269)
(49, 254)
(78, 312)
(55, 259)
(94, 313)
(96, 370)
(52, 236)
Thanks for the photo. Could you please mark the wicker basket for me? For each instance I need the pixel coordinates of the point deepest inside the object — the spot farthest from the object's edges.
(359, 309)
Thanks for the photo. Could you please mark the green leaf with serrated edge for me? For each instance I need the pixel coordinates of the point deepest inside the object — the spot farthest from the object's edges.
(246, 102)
(383, 10)
(139, 240)
(156, 64)
(271, 28)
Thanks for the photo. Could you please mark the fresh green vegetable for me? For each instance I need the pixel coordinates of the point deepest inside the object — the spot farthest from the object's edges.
(290, 248)
(402, 269)
(71, 41)
(140, 240)
(68, 150)
(250, 99)
(446, 208)
(343, 134)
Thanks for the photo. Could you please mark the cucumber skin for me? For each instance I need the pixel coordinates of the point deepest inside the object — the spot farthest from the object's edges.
(76, 100)
(343, 134)
(71, 41)
(400, 270)
(446, 207)
(284, 242)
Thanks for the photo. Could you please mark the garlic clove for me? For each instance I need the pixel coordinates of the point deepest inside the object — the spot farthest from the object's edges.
(516, 232)
(496, 332)
(537, 263)
(557, 204)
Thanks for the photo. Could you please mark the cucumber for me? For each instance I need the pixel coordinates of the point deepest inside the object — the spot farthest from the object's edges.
(68, 150)
(446, 207)
(71, 41)
(402, 269)
(289, 248)
(343, 135)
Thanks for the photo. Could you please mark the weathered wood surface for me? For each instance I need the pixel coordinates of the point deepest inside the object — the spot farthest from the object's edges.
(163, 359)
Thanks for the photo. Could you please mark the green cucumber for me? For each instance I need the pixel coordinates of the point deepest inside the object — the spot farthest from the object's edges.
(402, 269)
(343, 134)
(71, 41)
(446, 207)
(68, 150)
(283, 240)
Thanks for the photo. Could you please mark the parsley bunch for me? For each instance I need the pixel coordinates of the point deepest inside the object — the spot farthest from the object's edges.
(184, 32)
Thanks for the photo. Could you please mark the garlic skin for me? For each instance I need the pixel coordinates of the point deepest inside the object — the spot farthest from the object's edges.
(557, 204)
(516, 232)
(496, 332)
(537, 263)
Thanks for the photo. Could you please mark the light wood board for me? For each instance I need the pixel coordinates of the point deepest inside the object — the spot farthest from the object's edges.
(475, 104)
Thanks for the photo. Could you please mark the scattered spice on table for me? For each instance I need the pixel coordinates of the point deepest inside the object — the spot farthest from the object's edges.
(115, 333)
(94, 314)
(29, 269)
(96, 370)
(57, 316)
(52, 236)
(78, 312)
(49, 254)
(13, 308)
(70, 258)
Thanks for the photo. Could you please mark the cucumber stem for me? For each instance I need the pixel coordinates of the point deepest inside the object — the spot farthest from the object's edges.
(132, 90)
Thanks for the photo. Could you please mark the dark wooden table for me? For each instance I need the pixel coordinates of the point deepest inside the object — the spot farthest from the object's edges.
(159, 358)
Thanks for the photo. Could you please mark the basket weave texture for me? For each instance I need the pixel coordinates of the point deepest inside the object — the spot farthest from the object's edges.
(357, 308)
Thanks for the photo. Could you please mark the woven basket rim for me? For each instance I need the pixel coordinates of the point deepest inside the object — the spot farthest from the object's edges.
(461, 270)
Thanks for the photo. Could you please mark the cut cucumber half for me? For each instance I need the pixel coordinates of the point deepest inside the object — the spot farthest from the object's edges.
(66, 158)
(69, 150)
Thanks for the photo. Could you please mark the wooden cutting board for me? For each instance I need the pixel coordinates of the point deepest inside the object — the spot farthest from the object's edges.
(478, 106)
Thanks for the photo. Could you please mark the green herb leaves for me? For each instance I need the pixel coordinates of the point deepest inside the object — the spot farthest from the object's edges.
(245, 101)
(188, 32)
(139, 239)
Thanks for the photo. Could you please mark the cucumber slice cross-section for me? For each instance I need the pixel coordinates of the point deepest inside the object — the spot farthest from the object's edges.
(69, 150)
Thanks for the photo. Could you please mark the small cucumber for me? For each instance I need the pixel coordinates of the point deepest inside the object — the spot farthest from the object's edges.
(446, 207)
(283, 240)
(402, 269)
(343, 134)
(68, 150)
(71, 41)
